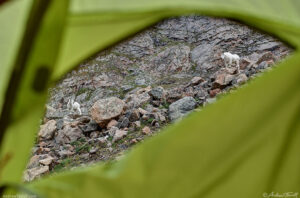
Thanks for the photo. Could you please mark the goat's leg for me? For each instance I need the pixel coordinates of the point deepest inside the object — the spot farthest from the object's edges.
(238, 66)
(79, 110)
(230, 61)
(225, 61)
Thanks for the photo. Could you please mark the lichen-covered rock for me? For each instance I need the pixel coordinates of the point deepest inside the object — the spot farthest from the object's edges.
(34, 161)
(222, 80)
(111, 132)
(196, 80)
(107, 109)
(146, 130)
(89, 127)
(35, 172)
(201, 55)
(244, 62)
(142, 111)
(173, 59)
(47, 161)
(139, 46)
(65, 153)
(265, 57)
(134, 115)
(112, 123)
(174, 94)
(241, 79)
(123, 122)
(57, 114)
(157, 93)
(119, 134)
(161, 117)
(214, 92)
(137, 100)
(47, 130)
(181, 107)
(69, 133)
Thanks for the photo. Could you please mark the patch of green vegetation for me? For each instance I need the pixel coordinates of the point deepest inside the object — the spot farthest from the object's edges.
(131, 79)
(130, 132)
(110, 138)
(125, 140)
(85, 90)
(81, 145)
(112, 68)
(145, 123)
(75, 143)
(165, 40)
(197, 99)
(83, 148)
(122, 95)
(150, 120)
(124, 55)
(63, 164)
(165, 105)
(143, 106)
(89, 96)
(121, 141)
(194, 67)
(114, 89)
(114, 145)
(78, 142)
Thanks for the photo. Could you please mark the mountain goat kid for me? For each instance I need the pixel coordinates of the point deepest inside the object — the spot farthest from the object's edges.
(230, 58)
(74, 106)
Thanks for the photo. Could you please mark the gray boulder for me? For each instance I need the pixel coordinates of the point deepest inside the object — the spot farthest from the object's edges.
(68, 134)
(181, 107)
(157, 93)
(137, 99)
(201, 55)
(172, 59)
(89, 127)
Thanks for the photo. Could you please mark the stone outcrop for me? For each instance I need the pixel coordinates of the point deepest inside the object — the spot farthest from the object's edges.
(181, 107)
(107, 109)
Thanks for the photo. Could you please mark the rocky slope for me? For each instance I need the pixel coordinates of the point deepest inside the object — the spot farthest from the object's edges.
(132, 90)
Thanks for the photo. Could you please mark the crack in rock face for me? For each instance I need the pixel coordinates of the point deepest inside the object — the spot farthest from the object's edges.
(132, 90)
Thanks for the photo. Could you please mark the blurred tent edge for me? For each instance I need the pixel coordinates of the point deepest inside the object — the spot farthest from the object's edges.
(114, 21)
(252, 150)
(26, 91)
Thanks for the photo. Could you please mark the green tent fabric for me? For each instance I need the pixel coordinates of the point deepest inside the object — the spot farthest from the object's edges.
(114, 20)
(243, 146)
(28, 105)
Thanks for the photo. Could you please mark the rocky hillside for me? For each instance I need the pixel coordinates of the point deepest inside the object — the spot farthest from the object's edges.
(132, 90)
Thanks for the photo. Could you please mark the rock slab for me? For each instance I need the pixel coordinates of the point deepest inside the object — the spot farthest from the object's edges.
(107, 109)
(181, 107)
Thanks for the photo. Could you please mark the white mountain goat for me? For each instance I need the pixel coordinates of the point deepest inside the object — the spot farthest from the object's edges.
(74, 106)
(230, 58)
